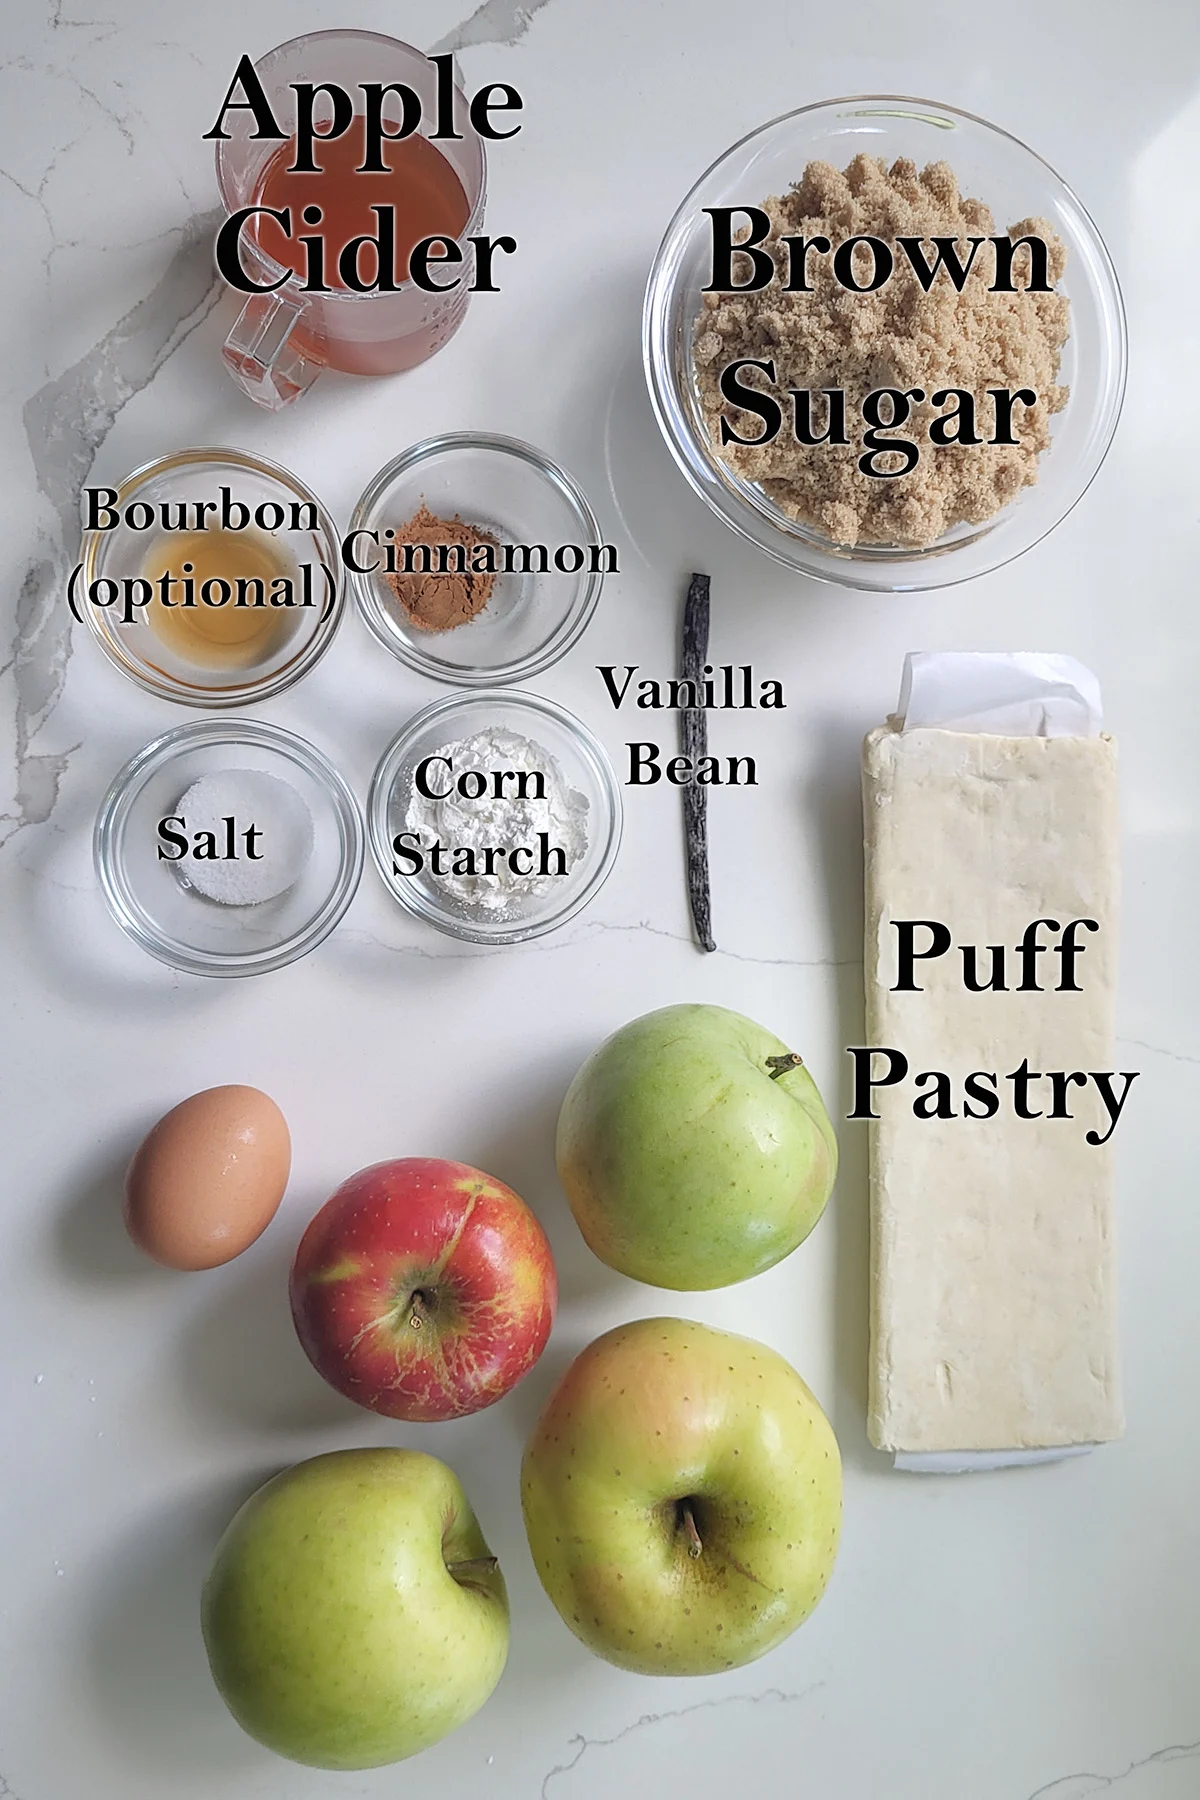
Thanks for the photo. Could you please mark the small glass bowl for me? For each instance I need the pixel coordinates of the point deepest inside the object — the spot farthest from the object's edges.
(154, 904)
(585, 767)
(1016, 184)
(520, 498)
(123, 553)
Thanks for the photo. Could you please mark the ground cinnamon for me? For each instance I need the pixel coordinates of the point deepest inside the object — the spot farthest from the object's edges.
(440, 591)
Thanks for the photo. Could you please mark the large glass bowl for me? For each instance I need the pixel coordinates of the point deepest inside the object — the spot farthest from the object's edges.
(991, 166)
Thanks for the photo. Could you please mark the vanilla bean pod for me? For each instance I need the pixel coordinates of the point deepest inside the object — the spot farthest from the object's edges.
(693, 728)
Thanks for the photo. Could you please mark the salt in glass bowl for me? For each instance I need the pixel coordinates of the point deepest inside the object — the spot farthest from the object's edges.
(991, 166)
(191, 476)
(520, 497)
(584, 766)
(151, 899)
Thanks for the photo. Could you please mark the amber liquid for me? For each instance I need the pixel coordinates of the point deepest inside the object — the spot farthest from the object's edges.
(427, 198)
(218, 637)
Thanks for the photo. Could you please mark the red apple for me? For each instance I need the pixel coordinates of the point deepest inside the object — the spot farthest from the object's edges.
(423, 1289)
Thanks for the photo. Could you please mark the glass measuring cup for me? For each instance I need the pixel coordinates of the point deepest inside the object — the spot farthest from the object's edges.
(282, 340)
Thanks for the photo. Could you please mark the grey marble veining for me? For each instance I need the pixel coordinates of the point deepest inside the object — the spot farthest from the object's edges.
(562, 1778)
(1168, 1774)
(66, 422)
(495, 22)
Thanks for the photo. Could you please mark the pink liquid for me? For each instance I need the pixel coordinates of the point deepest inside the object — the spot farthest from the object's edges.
(378, 334)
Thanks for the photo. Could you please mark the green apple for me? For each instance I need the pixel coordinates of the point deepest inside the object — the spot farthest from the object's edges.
(683, 1498)
(695, 1149)
(353, 1614)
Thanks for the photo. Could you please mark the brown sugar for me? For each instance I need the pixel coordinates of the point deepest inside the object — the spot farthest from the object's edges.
(441, 590)
(898, 336)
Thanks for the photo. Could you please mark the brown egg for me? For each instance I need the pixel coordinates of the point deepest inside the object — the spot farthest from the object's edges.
(208, 1179)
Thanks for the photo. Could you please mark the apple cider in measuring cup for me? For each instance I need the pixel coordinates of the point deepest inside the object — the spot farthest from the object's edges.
(340, 214)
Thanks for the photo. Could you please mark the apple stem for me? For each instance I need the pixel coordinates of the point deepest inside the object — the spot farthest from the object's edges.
(779, 1065)
(418, 1302)
(688, 1520)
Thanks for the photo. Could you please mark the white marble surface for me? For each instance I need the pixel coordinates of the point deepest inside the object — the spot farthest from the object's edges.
(984, 1639)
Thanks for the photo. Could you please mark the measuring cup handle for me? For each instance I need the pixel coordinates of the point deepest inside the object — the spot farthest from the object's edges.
(266, 354)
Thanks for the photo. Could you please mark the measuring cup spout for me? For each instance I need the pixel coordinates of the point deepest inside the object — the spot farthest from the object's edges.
(269, 355)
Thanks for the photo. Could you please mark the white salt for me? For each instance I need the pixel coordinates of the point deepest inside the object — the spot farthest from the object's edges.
(282, 842)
